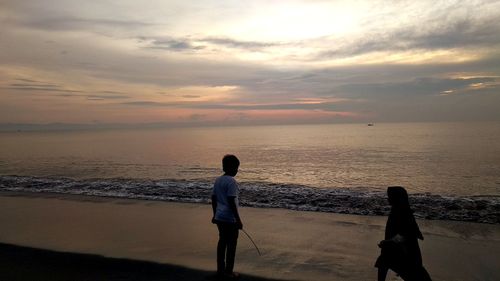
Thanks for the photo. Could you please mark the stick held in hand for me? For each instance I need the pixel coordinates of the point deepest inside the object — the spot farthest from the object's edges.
(255, 245)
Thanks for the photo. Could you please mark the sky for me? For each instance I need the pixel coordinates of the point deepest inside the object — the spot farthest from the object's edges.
(248, 62)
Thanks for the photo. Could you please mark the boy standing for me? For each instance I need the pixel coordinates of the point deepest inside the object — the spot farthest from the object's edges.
(226, 216)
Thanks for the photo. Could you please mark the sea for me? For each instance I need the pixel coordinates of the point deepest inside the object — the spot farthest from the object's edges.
(451, 170)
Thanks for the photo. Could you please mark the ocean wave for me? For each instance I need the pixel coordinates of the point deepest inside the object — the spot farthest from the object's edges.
(358, 201)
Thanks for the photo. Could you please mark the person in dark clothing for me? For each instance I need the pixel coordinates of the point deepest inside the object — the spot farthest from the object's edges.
(226, 216)
(399, 250)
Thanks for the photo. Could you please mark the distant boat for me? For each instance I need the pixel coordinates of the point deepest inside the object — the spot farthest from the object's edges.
(370, 124)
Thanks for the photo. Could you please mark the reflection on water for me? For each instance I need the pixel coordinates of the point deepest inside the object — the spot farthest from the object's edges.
(440, 158)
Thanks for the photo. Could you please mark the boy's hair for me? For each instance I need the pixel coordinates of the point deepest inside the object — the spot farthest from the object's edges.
(230, 163)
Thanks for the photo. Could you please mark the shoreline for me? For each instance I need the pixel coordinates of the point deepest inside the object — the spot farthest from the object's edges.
(480, 209)
(296, 245)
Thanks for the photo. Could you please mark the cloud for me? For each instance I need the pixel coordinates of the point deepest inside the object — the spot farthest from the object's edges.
(63, 24)
(40, 89)
(112, 92)
(419, 87)
(193, 43)
(33, 85)
(95, 97)
(135, 54)
(172, 44)
(328, 106)
(197, 117)
(238, 44)
(191, 96)
(150, 104)
(57, 16)
(460, 33)
(106, 97)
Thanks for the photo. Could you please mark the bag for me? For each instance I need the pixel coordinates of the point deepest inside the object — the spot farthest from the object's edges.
(393, 254)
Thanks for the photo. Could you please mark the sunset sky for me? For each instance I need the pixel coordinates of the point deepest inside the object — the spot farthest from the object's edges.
(248, 62)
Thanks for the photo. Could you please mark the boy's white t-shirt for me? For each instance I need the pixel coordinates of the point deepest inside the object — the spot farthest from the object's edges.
(225, 186)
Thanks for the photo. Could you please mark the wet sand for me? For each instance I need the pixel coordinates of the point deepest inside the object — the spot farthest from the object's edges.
(166, 241)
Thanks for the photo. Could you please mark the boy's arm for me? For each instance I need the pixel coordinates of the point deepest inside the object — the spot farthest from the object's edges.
(232, 205)
(214, 206)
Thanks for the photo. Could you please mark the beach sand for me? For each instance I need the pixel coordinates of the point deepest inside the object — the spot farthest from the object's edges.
(120, 239)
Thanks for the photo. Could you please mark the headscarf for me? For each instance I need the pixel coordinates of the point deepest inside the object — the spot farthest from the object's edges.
(401, 213)
(398, 198)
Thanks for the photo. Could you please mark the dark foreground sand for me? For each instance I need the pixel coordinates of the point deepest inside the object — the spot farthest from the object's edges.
(25, 263)
(116, 239)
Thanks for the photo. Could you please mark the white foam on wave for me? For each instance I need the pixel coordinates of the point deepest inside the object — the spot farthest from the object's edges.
(360, 201)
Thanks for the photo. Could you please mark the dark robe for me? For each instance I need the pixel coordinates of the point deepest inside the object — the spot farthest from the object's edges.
(404, 257)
